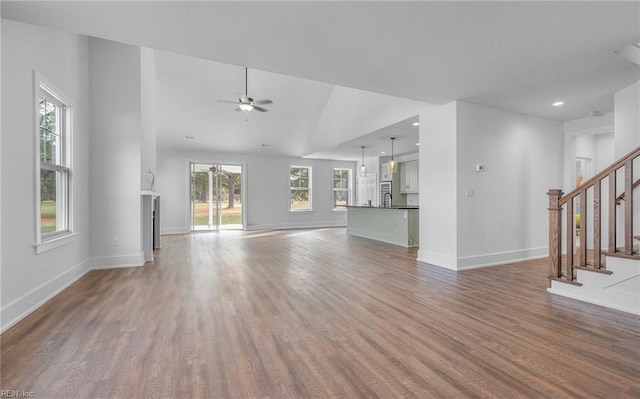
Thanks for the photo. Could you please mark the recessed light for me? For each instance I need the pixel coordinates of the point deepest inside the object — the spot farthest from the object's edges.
(189, 137)
(382, 152)
(558, 103)
(417, 143)
(416, 124)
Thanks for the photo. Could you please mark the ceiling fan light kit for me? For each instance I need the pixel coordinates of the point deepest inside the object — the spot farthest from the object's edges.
(245, 106)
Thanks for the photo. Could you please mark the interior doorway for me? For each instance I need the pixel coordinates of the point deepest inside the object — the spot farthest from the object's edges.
(216, 196)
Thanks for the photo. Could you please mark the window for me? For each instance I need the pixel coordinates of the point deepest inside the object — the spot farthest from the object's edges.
(300, 188)
(341, 187)
(53, 189)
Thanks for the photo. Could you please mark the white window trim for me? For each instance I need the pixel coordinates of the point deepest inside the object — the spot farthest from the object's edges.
(349, 190)
(309, 188)
(50, 241)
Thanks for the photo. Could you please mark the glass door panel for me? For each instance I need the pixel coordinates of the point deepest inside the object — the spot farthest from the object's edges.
(230, 200)
(216, 197)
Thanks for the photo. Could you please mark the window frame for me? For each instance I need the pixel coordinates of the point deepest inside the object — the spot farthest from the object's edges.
(348, 190)
(308, 188)
(62, 166)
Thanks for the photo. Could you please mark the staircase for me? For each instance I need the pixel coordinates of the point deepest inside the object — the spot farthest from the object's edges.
(579, 265)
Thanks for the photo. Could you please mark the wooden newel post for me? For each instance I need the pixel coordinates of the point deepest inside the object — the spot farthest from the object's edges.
(555, 247)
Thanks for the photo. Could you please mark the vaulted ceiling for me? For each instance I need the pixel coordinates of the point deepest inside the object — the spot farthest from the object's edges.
(517, 56)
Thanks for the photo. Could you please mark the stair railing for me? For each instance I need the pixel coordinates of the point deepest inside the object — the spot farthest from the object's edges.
(556, 202)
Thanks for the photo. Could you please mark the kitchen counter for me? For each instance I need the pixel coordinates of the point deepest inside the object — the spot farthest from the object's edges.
(397, 225)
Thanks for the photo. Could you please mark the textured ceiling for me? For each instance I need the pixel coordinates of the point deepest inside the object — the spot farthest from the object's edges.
(518, 56)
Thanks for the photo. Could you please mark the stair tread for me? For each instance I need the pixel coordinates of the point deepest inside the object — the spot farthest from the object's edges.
(562, 280)
(590, 268)
(635, 255)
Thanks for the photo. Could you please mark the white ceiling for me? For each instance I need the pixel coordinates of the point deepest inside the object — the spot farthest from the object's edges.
(188, 92)
(517, 56)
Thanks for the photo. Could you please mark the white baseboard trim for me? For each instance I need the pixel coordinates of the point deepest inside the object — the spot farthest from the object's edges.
(174, 230)
(304, 225)
(438, 259)
(478, 261)
(32, 300)
(501, 258)
(115, 262)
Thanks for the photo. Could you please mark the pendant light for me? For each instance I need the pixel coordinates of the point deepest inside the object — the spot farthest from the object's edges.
(363, 169)
(393, 164)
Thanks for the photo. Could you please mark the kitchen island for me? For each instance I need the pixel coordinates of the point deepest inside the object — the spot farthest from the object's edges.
(395, 225)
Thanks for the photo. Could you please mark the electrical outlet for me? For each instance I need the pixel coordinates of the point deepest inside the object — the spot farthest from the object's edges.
(115, 242)
(468, 192)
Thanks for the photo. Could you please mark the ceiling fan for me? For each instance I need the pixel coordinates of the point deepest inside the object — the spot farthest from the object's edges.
(247, 103)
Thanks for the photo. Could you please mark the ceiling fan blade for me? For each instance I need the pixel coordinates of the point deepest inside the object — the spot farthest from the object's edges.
(260, 109)
(262, 102)
(227, 101)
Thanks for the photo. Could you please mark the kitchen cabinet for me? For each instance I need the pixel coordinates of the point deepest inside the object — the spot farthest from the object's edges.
(409, 177)
(398, 225)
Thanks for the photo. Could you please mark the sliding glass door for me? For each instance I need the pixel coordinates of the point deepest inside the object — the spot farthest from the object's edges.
(216, 196)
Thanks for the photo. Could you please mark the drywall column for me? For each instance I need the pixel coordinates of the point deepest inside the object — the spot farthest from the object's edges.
(148, 97)
(116, 132)
(438, 177)
(627, 119)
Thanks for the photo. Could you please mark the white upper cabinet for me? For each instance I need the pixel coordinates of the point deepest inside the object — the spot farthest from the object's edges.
(409, 181)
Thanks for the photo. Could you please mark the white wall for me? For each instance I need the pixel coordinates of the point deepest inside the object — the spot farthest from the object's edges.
(597, 134)
(506, 217)
(438, 199)
(116, 133)
(267, 190)
(627, 119)
(605, 150)
(28, 280)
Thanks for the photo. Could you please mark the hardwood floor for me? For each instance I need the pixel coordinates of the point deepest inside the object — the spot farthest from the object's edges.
(315, 314)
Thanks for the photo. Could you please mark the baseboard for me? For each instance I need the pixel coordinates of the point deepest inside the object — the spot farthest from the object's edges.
(115, 262)
(478, 261)
(32, 300)
(437, 259)
(501, 258)
(304, 225)
(174, 230)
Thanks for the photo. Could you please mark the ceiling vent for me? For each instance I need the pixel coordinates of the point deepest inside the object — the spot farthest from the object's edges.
(631, 53)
